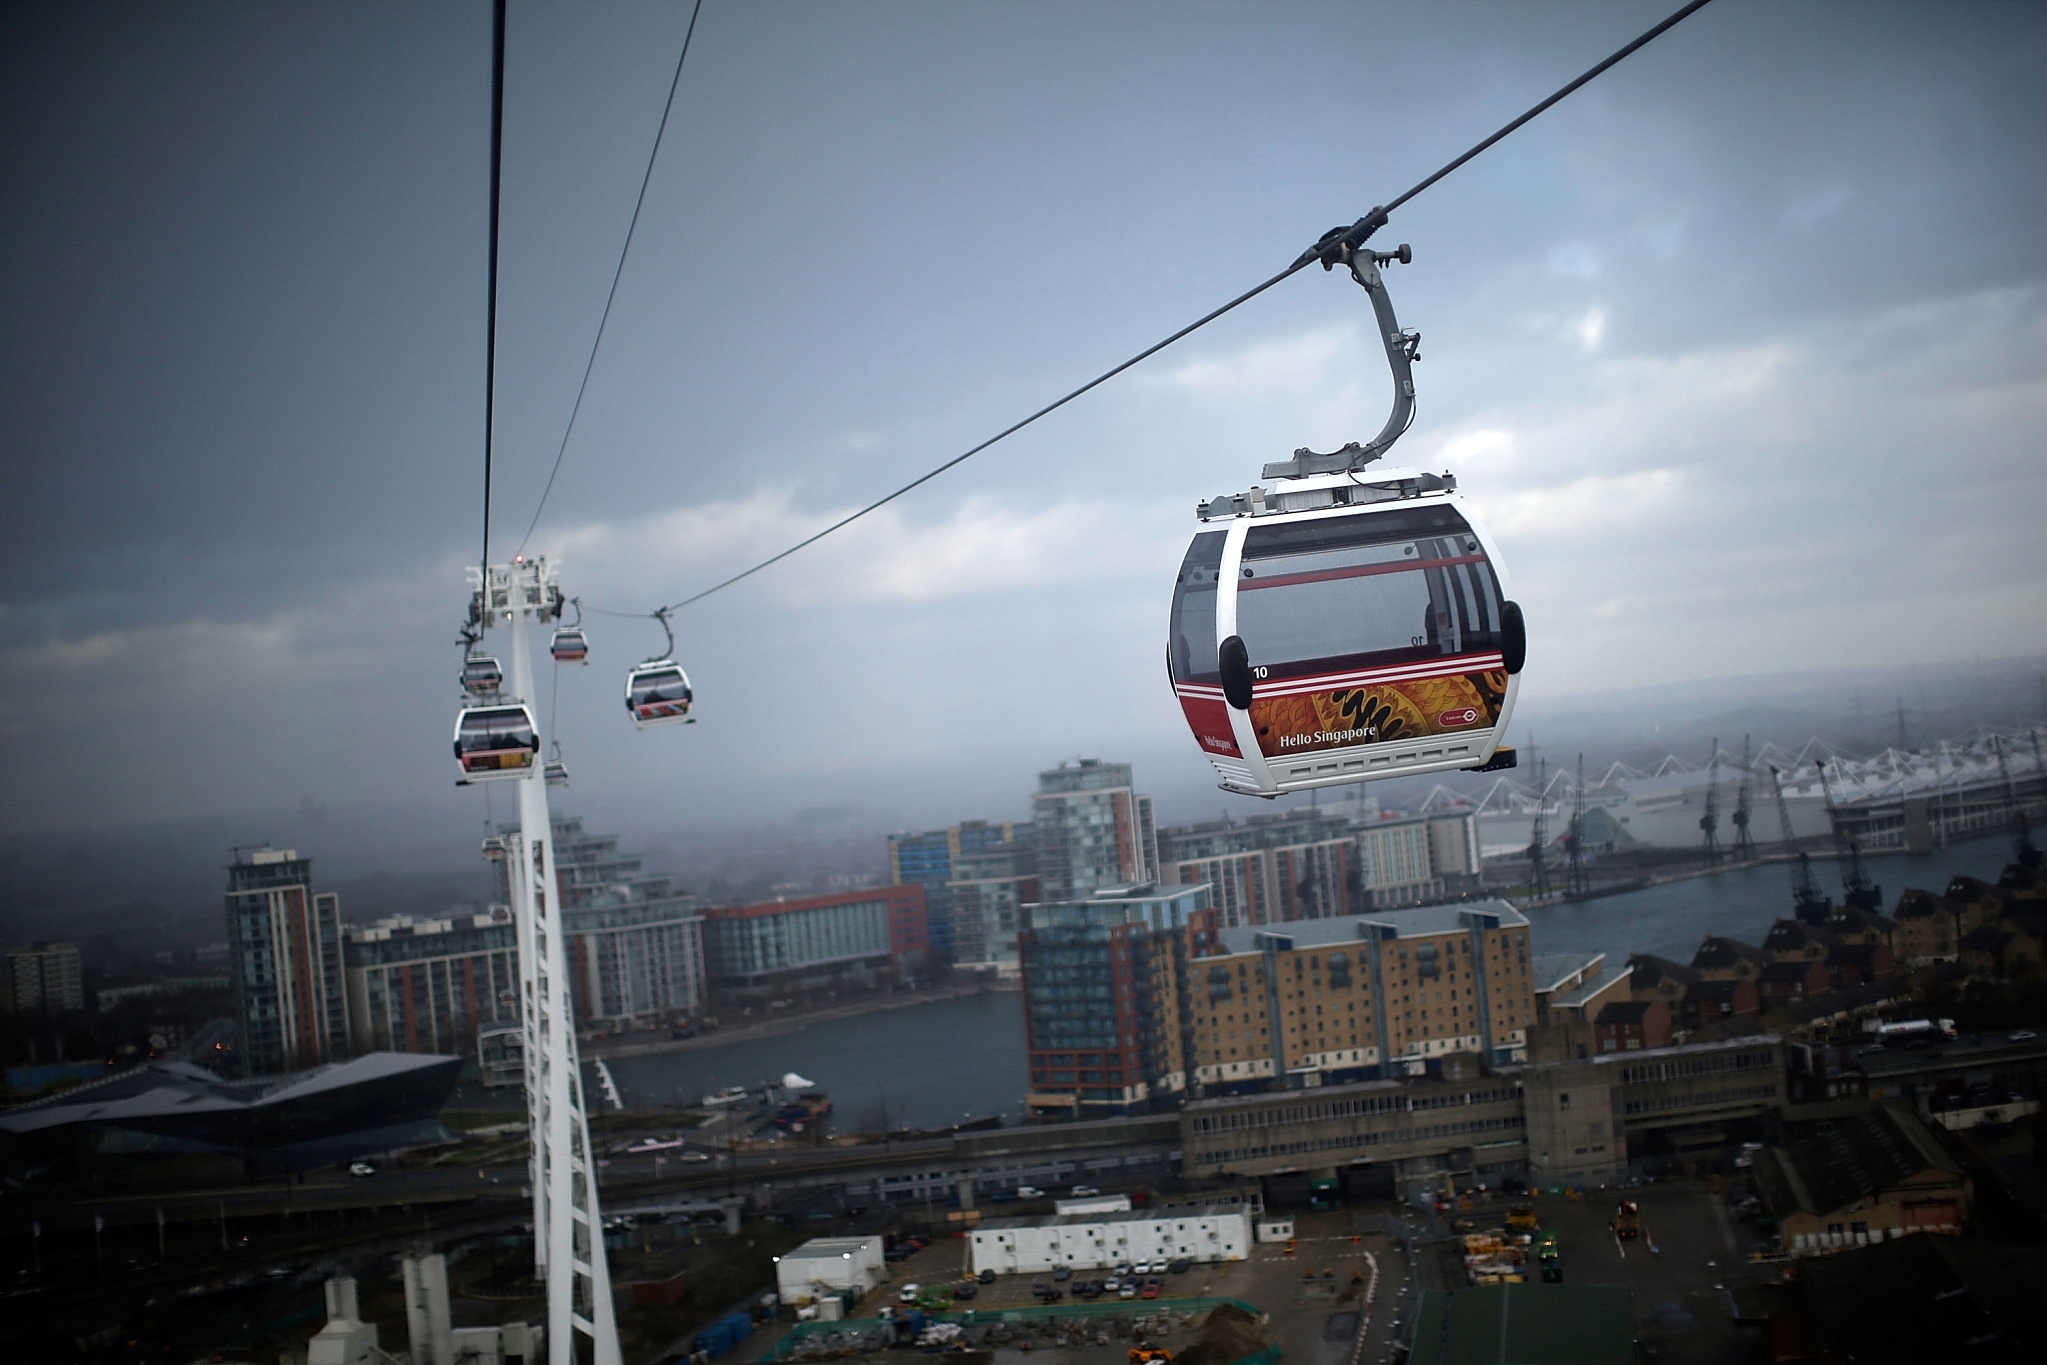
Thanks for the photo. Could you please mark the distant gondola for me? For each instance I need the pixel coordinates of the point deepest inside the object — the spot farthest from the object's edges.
(481, 674)
(658, 693)
(569, 646)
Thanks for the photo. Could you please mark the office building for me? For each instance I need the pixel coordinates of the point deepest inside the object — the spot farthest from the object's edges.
(284, 952)
(430, 985)
(1093, 830)
(989, 891)
(43, 977)
(854, 940)
(932, 860)
(635, 942)
(1103, 986)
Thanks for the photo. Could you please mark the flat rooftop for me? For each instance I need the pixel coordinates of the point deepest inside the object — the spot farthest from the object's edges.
(1420, 921)
(1126, 1216)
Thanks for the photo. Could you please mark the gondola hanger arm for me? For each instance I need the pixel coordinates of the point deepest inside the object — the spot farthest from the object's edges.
(1345, 246)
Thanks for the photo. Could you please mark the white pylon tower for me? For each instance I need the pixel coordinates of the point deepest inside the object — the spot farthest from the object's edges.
(568, 1237)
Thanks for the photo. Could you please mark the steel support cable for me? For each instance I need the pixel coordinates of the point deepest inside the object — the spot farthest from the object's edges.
(1353, 236)
(616, 275)
(490, 345)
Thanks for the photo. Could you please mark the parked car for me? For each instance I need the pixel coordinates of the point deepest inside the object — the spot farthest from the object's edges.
(1128, 1291)
(986, 1277)
(1122, 1269)
(1151, 1289)
(1083, 1191)
(361, 1168)
(1062, 1272)
(909, 1292)
(1178, 1265)
(966, 1290)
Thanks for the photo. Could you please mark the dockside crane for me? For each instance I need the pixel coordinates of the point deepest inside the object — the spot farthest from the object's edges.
(1538, 843)
(1709, 823)
(2024, 850)
(1857, 890)
(1808, 902)
(1575, 880)
(1744, 841)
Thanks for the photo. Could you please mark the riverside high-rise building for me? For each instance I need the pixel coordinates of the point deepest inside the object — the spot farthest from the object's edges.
(1093, 830)
(284, 948)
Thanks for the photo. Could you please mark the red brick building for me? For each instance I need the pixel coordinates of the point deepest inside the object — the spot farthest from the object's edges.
(1632, 1025)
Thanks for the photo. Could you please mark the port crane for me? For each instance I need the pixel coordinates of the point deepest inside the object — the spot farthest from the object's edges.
(1538, 843)
(1857, 890)
(1575, 879)
(2024, 851)
(1809, 903)
(1744, 840)
(1709, 823)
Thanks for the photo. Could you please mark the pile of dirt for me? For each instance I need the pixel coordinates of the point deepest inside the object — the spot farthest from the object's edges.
(1228, 1333)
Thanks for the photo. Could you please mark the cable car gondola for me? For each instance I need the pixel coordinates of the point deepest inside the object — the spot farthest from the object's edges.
(569, 646)
(1334, 625)
(494, 848)
(481, 674)
(555, 772)
(657, 692)
(496, 743)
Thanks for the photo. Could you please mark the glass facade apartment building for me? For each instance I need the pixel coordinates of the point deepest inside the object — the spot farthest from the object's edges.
(635, 941)
(932, 860)
(1311, 864)
(1105, 1014)
(1093, 830)
(418, 985)
(989, 892)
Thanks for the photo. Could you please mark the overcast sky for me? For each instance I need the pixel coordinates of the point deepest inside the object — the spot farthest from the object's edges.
(1742, 352)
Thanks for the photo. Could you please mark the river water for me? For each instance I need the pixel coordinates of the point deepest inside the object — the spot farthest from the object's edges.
(954, 1059)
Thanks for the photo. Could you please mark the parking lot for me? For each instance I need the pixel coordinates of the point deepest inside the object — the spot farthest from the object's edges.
(1313, 1294)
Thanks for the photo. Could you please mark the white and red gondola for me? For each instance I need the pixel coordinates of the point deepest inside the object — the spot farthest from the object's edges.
(1337, 623)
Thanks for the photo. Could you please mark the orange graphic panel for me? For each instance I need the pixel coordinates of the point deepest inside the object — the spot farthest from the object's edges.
(1382, 713)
